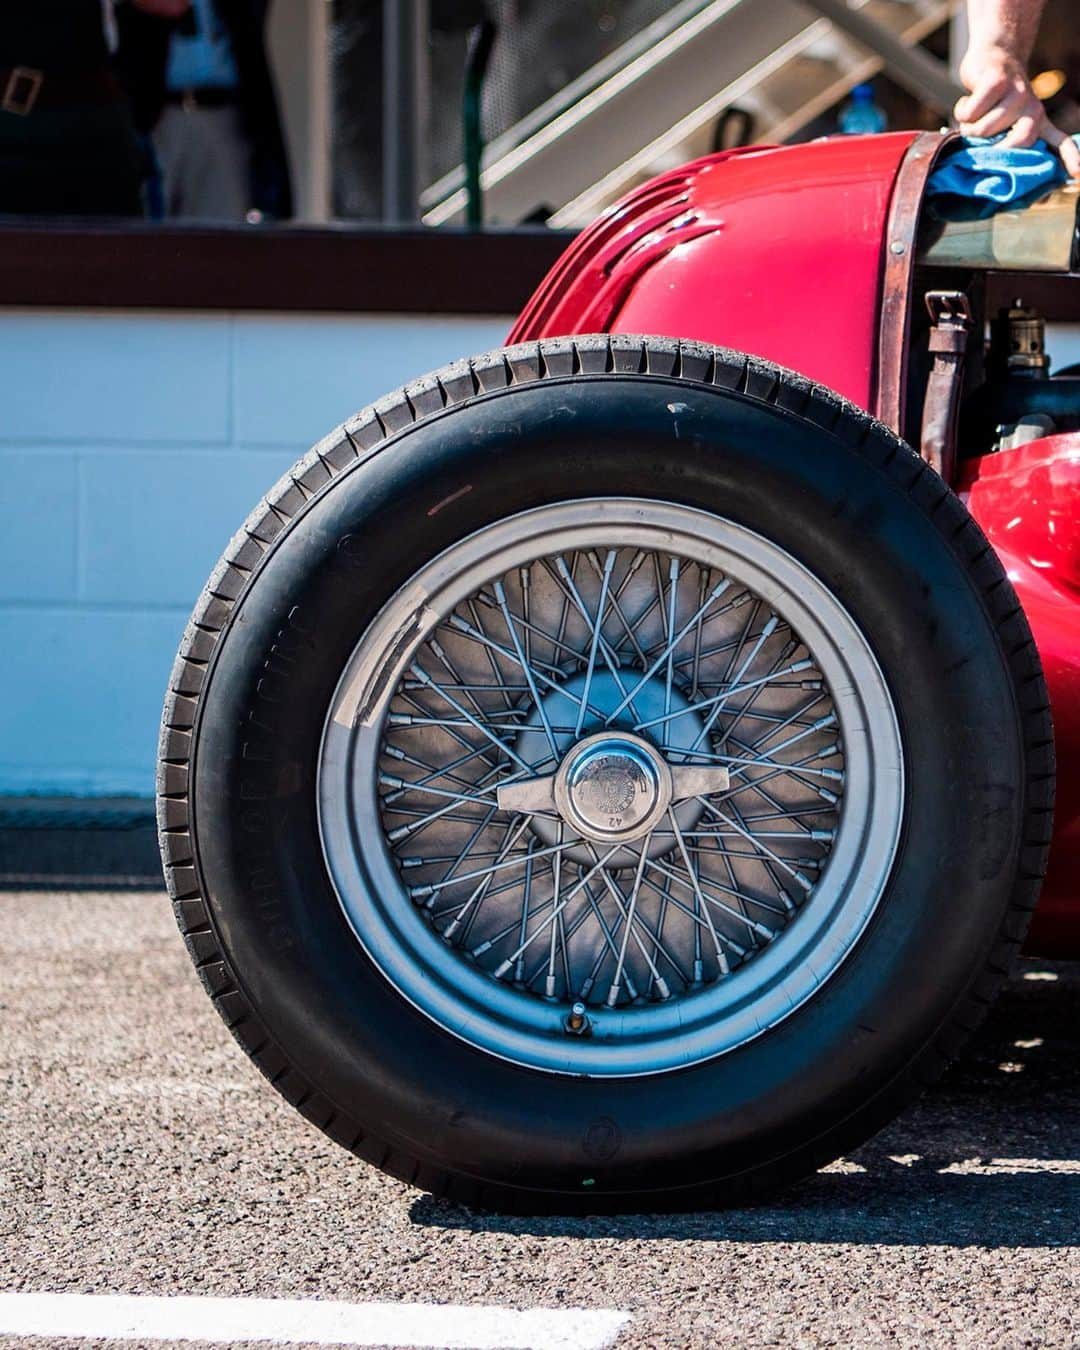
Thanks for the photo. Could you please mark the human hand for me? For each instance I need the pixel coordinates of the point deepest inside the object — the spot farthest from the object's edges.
(163, 9)
(1002, 99)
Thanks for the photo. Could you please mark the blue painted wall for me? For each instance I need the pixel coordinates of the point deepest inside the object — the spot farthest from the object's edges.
(132, 445)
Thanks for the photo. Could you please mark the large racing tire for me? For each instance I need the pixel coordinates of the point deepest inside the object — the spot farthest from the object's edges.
(610, 773)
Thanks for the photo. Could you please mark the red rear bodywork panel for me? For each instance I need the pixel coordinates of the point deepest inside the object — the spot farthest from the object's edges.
(776, 252)
(1028, 502)
(781, 252)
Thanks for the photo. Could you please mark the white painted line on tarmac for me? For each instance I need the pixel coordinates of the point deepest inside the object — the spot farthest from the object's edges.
(282, 1321)
(1000, 1167)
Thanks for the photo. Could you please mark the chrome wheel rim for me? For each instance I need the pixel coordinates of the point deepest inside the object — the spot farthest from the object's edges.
(610, 787)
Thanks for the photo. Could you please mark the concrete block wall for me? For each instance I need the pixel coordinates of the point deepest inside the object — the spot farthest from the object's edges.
(132, 445)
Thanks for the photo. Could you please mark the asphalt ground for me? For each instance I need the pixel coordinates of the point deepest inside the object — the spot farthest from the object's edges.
(140, 1153)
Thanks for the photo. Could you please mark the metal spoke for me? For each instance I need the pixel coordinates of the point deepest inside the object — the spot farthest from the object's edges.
(785, 815)
(703, 584)
(787, 903)
(409, 686)
(421, 819)
(514, 831)
(796, 773)
(484, 730)
(526, 896)
(493, 665)
(616, 595)
(563, 576)
(433, 773)
(794, 718)
(598, 914)
(673, 600)
(615, 989)
(738, 764)
(565, 935)
(763, 637)
(693, 882)
(693, 914)
(787, 650)
(659, 983)
(549, 984)
(422, 822)
(436, 648)
(594, 640)
(705, 655)
(792, 813)
(717, 698)
(462, 627)
(421, 892)
(409, 720)
(538, 702)
(725, 857)
(424, 714)
(445, 814)
(721, 958)
(503, 933)
(560, 906)
(822, 724)
(714, 594)
(564, 612)
(525, 583)
(403, 786)
(534, 630)
(803, 880)
(510, 887)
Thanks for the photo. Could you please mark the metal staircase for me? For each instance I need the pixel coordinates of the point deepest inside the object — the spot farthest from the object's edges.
(655, 101)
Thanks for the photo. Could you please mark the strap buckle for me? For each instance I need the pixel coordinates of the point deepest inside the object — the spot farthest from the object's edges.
(21, 91)
(950, 320)
(949, 307)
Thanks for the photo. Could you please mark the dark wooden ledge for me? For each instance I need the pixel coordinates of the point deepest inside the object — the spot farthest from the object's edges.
(279, 267)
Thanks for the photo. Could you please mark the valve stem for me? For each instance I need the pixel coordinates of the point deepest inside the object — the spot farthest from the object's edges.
(577, 1023)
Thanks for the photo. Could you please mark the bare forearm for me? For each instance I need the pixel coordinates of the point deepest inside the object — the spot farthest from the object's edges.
(1008, 26)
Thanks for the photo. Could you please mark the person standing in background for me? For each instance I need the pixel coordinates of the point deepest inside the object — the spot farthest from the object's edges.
(994, 69)
(67, 145)
(201, 86)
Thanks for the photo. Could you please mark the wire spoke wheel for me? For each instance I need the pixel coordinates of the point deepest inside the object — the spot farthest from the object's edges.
(623, 795)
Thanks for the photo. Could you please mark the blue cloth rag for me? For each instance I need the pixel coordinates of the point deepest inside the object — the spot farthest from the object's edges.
(982, 176)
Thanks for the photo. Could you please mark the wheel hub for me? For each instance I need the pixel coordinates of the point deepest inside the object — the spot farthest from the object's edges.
(637, 778)
(613, 788)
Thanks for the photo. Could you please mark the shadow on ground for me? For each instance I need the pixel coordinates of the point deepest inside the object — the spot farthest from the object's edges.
(989, 1158)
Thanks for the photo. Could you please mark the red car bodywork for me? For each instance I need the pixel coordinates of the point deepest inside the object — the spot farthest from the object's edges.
(782, 252)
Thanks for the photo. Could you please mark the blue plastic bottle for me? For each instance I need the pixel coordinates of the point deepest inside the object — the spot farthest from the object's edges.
(862, 115)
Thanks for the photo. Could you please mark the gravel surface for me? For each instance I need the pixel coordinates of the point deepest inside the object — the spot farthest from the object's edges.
(141, 1153)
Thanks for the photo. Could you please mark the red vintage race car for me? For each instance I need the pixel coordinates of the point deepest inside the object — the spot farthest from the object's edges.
(617, 771)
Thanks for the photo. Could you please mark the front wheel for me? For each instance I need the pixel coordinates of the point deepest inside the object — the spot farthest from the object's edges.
(610, 774)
